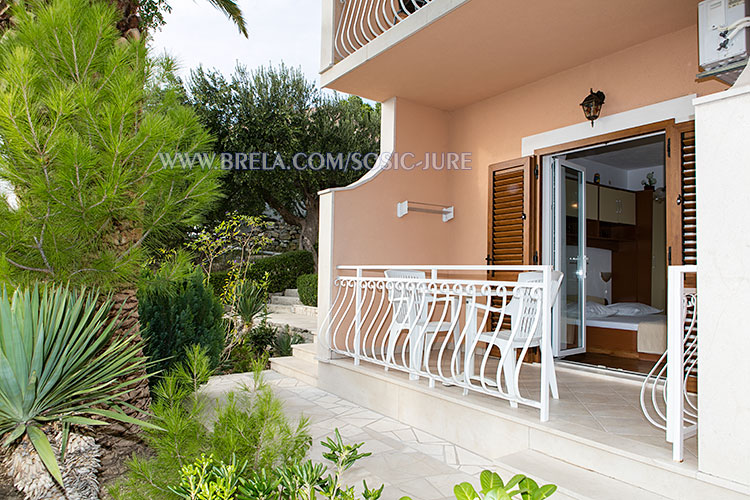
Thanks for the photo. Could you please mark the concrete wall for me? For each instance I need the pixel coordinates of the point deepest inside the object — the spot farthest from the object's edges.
(723, 177)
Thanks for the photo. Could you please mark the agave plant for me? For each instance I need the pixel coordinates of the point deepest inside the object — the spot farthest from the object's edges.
(251, 303)
(59, 367)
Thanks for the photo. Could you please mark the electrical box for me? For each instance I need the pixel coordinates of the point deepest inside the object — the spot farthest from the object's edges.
(714, 17)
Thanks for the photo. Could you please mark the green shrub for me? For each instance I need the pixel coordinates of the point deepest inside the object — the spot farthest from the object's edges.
(282, 269)
(492, 487)
(249, 428)
(181, 314)
(282, 344)
(218, 281)
(211, 479)
(260, 338)
(307, 286)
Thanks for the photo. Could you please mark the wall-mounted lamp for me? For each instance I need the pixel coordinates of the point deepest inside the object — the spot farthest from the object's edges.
(592, 105)
(606, 276)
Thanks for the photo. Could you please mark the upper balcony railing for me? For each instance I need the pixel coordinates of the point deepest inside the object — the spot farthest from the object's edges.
(361, 21)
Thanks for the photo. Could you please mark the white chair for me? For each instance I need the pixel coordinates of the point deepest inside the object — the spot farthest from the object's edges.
(411, 308)
(521, 321)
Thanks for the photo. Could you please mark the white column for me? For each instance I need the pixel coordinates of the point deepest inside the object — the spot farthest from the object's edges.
(723, 195)
(327, 33)
(326, 271)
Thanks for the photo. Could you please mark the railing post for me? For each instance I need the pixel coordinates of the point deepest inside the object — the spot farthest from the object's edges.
(357, 316)
(675, 370)
(544, 346)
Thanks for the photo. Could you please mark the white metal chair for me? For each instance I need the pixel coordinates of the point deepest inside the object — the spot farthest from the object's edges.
(522, 312)
(411, 308)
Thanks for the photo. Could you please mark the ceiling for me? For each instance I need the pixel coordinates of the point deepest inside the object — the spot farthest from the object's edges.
(630, 155)
(493, 46)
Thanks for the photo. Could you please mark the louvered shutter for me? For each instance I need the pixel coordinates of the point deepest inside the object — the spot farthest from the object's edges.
(511, 226)
(510, 217)
(681, 219)
(681, 201)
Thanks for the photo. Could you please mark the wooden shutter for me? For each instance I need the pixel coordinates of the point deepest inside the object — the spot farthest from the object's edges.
(681, 202)
(512, 227)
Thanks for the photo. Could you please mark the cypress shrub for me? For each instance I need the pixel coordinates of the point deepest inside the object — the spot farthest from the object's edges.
(183, 313)
(307, 286)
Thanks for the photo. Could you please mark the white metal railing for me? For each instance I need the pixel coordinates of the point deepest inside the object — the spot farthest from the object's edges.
(446, 324)
(361, 21)
(666, 400)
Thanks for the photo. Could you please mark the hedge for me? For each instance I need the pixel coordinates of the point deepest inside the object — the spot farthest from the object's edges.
(307, 286)
(282, 269)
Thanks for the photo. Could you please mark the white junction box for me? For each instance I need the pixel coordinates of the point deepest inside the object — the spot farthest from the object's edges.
(714, 19)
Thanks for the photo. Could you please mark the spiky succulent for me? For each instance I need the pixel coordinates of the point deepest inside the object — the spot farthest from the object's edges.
(59, 363)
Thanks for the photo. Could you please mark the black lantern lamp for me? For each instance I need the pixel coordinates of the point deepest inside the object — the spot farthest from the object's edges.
(592, 105)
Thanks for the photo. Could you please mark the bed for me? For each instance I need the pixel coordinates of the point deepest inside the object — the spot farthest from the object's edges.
(629, 330)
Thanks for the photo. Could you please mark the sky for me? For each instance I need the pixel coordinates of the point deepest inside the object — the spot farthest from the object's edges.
(280, 30)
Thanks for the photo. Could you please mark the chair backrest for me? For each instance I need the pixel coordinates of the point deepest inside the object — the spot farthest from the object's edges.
(406, 304)
(523, 312)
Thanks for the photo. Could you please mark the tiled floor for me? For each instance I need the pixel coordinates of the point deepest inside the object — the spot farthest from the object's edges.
(588, 402)
(406, 460)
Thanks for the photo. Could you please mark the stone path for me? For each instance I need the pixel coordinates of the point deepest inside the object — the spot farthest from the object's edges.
(406, 460)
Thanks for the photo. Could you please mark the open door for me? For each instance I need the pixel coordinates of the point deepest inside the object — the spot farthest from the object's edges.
(570, 257)
(512, 224)
(680, 192)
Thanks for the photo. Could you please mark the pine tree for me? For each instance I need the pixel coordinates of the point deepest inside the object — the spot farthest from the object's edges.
(81, 140)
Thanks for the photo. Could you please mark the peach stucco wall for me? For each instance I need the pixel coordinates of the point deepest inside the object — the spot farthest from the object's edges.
(366, 229)
(652, 72)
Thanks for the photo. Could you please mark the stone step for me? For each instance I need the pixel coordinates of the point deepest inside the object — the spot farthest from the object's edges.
(570, 479)
(285, 300)
(307, 352)
(291, 292)
(296, 309)
(303, 370)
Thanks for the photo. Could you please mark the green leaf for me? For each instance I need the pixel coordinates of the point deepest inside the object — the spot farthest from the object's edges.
(497, 494)
(44, 449)
(489, 480)
(544, 492)
(465, 491)
(14, 434)
(514, 481)
(83, 421)
(116, 415)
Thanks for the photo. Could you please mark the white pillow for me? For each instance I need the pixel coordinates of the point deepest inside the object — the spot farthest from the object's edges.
(595, 310)
(632, 309)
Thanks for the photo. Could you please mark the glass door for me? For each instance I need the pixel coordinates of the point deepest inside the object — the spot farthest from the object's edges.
(570, 257)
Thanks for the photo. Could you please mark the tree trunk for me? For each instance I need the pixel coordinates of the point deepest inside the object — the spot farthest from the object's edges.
(310, 224)
(118, 438)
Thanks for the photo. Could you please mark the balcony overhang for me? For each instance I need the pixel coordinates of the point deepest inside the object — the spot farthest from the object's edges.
(452, 53)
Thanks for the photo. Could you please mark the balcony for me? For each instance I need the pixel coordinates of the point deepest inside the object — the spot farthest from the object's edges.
(450, 53)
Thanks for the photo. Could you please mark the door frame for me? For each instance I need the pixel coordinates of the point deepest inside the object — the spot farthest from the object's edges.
(544, 158)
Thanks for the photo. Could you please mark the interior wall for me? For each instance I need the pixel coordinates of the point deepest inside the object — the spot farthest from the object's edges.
(600, 261)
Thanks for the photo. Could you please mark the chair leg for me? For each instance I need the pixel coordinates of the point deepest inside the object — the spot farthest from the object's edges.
(553, 376)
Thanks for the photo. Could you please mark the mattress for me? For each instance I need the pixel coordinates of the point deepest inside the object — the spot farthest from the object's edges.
(651, 330)
(626, 322)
